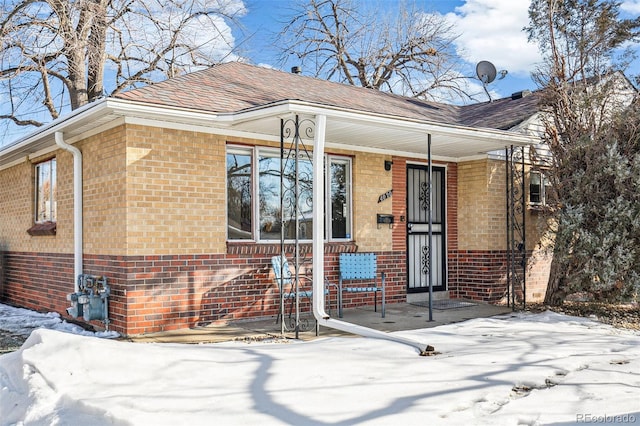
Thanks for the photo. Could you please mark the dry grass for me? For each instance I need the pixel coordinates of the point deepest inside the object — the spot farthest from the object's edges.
(625, 315)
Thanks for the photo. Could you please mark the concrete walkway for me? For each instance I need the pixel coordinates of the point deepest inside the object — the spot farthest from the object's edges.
(399, 316)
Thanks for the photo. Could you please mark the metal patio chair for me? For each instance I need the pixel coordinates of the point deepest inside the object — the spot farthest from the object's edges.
(360, 267)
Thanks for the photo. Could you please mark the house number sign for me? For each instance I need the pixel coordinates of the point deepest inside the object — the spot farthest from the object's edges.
(385, 196)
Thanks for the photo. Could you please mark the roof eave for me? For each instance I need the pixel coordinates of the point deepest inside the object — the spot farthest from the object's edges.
(287, 107)
(107, 108)
(43, 136)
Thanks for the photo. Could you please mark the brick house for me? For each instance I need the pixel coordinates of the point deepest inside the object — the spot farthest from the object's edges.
(180, 210)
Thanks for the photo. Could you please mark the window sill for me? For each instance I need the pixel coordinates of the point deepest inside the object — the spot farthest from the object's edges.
(43, 229)
(239, 247)
(538, 208)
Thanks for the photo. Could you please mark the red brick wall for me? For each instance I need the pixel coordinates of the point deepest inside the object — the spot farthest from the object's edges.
(37, 281)
(399, 204)
(480, 275)
(160, 293)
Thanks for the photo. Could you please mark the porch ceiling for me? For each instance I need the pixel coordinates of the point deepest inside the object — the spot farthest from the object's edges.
(395, 135)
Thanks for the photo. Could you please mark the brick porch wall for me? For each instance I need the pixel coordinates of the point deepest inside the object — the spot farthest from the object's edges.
(480, 275)
(168, 292)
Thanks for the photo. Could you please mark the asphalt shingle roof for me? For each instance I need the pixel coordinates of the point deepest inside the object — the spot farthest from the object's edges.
(502, 113)
(234, 86)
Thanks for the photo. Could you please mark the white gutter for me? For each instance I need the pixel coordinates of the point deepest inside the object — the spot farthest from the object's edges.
(77, 206)
(318, 254)
(121, 107)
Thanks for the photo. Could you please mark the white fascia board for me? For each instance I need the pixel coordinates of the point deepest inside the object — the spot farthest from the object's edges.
(59, 124)
(420, 126)
(131, 108)
(226, 124)
(280, 109)
(43, 137)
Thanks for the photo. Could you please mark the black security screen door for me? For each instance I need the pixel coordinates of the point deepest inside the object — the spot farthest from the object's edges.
(418, 203)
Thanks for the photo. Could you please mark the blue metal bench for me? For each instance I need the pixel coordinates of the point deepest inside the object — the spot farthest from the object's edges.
(360, 266)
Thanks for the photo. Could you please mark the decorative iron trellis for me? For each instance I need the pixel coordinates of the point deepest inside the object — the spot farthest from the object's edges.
(426, 256)
(425, 204)
(295, 209)
(516, 235)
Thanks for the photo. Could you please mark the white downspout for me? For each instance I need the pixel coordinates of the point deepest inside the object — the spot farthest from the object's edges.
(318, 254)
(77, 206)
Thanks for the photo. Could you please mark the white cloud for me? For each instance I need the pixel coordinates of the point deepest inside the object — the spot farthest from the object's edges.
(491, 30)
(631, 6)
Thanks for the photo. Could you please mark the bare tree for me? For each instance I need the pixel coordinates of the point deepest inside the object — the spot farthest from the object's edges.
(408, 52)
(63, 54)
(591, 130)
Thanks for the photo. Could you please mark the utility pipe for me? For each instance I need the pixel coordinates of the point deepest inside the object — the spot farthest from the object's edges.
(77, 206)
(318, 254)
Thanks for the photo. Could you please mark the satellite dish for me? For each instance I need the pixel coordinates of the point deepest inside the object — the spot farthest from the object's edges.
(486, 72)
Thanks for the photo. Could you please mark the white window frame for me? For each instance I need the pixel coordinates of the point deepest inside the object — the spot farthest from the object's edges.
(255, 153)
(51, 209)
(544, 183)
(328, 161)
(240, 150)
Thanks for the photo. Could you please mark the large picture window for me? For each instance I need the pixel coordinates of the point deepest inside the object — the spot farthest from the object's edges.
(45, 191)
(239, 189)
(270, 213)
(254, 196)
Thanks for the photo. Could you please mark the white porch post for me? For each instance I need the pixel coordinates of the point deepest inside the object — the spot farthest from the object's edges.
(318, 254)
(318, 219)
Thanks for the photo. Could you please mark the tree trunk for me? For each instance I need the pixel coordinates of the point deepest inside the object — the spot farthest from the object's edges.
(76, 82)
(556, 291)
(96, 49)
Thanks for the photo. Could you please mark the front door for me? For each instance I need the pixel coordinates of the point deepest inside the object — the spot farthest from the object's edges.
(418, 229)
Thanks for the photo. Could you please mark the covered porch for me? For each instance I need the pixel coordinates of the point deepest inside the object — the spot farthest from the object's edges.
(383, 136)
(316, 129)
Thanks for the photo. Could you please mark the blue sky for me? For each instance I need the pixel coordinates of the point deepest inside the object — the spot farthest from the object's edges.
(480, 16)
(489, 30)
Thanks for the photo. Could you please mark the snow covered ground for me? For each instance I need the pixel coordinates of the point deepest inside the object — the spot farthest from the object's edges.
(23, 321)
(517, 369)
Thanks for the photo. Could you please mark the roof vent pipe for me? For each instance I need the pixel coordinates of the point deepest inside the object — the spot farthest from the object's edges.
(296, 70)
(77, 206)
